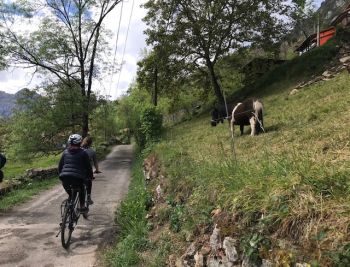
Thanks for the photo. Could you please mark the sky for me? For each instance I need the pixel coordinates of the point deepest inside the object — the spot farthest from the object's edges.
(15, 79)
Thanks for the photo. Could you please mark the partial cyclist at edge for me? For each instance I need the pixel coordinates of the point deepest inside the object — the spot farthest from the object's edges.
(86, 145)
(75, 169)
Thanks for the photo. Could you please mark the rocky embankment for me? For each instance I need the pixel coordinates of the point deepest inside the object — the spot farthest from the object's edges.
(341, 63)
(29, 176)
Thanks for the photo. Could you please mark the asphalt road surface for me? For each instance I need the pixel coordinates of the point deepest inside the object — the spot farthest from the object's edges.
(28, 232)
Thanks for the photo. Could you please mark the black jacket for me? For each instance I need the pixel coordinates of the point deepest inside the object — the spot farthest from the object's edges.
(75, 162)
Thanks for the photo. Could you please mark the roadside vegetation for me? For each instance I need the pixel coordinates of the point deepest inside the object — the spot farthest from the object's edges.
(131, 222)
(283, 197)
(66, 51)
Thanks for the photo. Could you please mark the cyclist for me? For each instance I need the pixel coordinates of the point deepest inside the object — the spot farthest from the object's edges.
(74, 168)
(86, 145)
(2, 164)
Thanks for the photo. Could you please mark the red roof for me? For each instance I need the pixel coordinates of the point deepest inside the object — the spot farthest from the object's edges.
(325, 35)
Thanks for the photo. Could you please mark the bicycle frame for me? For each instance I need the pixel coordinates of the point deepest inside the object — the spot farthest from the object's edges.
(70, 214)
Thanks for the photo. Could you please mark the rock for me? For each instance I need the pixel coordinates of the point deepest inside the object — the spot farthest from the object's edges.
(344, 59)
(150, 168)
(215, 239)
(300, 85)
(317, 79)
(247, 263)
(215, 212)
(230, 249)
(159, 191)
(30, 175)
(191, 250)
(302, 265)
(205, 250)
(294, 91)
(189, 236)
(198, 257)
(267, 263)
(172, 260)
(218, 261)
(327, 74)
(179, 263)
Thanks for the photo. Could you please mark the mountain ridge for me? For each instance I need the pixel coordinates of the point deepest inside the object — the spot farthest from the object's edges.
(8, 102)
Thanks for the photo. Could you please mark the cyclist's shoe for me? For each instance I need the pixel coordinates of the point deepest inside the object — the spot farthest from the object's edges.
(84, 209)
(90, 200)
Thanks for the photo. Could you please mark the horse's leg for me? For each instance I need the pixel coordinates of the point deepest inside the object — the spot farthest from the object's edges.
(252, 121)
(232, 124)
(241, 127)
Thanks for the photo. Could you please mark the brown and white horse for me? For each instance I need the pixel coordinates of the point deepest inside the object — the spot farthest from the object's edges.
(248, 112)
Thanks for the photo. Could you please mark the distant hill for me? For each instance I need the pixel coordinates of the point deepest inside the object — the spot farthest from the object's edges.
(328, 10)
(331, 8)
(8, 102)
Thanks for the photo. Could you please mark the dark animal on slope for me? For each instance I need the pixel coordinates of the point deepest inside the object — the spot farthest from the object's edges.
(219, 115)
(248, 112)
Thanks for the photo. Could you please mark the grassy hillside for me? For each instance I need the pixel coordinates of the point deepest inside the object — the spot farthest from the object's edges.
(291, 183)
(286, 195)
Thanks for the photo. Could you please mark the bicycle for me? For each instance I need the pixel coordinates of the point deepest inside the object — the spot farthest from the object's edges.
(70, 213)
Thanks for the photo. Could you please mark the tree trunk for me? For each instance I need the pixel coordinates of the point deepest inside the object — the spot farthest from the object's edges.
(215, 83)
(155, 93)
(85, 126)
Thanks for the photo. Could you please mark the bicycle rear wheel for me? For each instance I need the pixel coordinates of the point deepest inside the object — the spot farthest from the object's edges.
(85, 214)
(66, 228)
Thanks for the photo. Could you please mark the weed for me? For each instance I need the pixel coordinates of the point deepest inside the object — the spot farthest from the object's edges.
(132, 223)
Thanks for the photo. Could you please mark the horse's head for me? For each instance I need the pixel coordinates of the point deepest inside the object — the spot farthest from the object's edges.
(215, 117)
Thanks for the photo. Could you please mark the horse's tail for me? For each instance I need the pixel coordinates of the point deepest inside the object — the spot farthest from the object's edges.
(258, 111)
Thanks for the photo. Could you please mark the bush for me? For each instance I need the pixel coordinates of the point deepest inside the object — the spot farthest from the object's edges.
(149, 127)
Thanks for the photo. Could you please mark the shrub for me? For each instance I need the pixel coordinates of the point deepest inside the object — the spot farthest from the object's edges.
(150, 126)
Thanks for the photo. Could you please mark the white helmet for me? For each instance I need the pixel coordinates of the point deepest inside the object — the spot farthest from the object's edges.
(74, 139)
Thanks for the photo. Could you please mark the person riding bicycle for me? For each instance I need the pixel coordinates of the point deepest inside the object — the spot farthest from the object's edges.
(86, 145)
(75, 169)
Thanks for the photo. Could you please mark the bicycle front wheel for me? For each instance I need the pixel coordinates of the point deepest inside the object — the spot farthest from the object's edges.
(66, 228)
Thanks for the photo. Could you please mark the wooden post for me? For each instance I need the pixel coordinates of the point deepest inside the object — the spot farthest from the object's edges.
(318, 30)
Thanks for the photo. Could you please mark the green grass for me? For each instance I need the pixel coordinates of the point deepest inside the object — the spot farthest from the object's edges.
(132, 223)
(15, 168)
(25, 193)
(291, 182)
(286, 195)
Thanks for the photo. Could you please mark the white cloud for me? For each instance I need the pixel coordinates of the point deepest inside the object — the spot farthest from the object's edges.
(15, 79)
(133, 44)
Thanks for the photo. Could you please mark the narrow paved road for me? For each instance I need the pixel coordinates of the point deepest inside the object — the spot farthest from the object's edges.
(28, 233)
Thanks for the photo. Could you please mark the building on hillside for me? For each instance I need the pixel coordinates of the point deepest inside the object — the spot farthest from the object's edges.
(258, 67)
(311, 41)
(343, 19)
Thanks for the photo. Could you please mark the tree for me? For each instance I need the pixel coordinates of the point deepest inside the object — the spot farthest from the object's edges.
(148, 75)
(65, 45)
(104, 121)
(42, 123)
(305, 18)
(158, 73)
(201, 32)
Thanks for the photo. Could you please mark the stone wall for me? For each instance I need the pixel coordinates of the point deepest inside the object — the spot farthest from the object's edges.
(30, 175)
